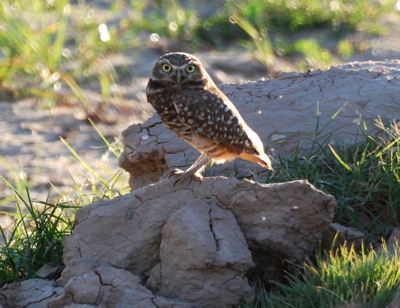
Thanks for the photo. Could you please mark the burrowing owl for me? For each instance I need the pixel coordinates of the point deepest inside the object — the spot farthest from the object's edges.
(191, 106)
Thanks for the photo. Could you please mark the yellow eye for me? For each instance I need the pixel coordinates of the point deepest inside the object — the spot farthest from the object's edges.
(166, 67)
(190, 68)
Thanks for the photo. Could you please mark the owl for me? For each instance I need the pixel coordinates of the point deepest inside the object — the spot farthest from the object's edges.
(192, 107)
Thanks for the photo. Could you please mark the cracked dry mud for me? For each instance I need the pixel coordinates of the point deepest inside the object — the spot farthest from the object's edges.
(195, 241)
(190, 245)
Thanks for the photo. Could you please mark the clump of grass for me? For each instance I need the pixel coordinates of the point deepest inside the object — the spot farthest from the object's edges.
(50, 52)
(169, 19)
(314, 54)
(96, 186)
(367, 184)
(262, 46)
(342, 277)
(364, 178)
(280, 14)
(258, 18)
(35, 238)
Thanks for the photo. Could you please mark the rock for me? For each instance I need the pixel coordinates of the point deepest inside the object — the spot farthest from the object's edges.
(33, 293)
(393, 245)
(110, 287)
(285, 112)
(49, 271)
(138, 218)
(396, 301)
(196, 242)
(209, 269)
(338, 235)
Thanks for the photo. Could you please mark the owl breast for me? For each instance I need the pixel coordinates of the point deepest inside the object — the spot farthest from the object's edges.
(163, 103)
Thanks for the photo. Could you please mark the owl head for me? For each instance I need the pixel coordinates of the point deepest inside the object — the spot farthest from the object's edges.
(179, 69)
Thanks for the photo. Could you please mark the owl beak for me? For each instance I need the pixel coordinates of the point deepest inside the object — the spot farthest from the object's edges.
(178, 77)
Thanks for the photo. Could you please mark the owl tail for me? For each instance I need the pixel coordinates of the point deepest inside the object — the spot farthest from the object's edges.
(262, 159)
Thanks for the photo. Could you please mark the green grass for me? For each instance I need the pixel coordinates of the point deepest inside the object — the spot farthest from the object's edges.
(51, 52)
(35, 238)
(56, 50)
(291, 16)
(341, 278)
(364, 178)
(270, 25)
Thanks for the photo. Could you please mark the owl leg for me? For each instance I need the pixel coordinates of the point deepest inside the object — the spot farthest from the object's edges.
(194, 171)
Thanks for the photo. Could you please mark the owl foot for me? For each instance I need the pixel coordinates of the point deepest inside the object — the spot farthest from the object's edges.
(182, 176)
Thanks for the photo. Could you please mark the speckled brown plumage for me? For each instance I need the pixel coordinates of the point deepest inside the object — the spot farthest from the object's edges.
(191, 106)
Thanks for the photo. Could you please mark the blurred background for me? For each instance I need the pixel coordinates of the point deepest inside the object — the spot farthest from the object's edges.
(73, 52)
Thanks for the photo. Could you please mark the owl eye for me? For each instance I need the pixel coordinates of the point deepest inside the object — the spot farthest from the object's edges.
(190, 68)
(166, 68)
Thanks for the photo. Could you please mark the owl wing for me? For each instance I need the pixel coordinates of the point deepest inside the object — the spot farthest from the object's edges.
(212, 115)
